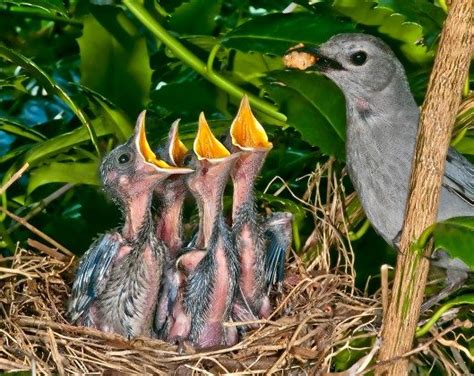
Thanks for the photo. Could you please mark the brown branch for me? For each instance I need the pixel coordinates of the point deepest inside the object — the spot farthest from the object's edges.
(14, 178)
(435, 127)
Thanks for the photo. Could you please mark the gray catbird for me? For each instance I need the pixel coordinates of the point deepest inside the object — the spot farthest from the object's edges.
(382, 119)
(117, 282)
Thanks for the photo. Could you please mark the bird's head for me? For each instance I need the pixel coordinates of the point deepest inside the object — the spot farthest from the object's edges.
(357, 63)
(210, 159)
(132, 168)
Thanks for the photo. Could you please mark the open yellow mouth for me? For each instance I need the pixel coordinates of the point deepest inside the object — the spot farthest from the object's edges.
(177, 150)
(206, 145)
(144, 147)
(246, 132)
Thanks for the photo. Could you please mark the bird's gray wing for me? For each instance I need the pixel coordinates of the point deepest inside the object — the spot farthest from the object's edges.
(92, 274)
(279, 235)
(459, 176)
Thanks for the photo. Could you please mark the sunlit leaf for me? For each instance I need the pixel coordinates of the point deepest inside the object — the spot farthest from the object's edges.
(18, 129)
(55, 172)
(114, 59)
(411, 22)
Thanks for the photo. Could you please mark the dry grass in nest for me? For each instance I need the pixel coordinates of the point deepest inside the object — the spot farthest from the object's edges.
(318, 313)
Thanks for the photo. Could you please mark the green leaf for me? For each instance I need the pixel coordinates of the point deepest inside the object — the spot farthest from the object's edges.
(56, 172)
(195, 17)
(114, 59)
(275, 33)
(456, 237)
(251, 67)
(51, 6)
(408, 21)
(64, 142)
(314, 107)
(21, 130)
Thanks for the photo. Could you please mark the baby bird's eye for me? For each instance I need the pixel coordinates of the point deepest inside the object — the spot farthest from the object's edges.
(187, 160)
(359, 58)
(124, 158)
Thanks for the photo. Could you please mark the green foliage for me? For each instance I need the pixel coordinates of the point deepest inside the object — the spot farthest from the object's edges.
(114, 59)
(415, 23)
(456, 237)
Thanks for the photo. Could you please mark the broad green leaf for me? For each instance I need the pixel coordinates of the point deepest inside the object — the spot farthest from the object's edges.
(114, 59)
(275, 33)
(51, 6)
(55, 172)
(195, 17)
(466, 144)
(21, 130)
(411, 22)
(64, 142)
(251, 67)
(314, 107)
(456, 237)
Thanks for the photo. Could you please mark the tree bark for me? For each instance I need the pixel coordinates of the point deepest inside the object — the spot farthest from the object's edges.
(436, 121)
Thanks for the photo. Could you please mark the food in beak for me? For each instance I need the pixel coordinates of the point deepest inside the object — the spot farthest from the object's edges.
(206, 145)
(246, 132)
(298, 57)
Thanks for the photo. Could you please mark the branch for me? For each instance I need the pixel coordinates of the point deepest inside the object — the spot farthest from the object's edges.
(195, 63)
(434, 133)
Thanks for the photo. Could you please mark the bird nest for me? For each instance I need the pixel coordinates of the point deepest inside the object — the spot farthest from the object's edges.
(319, 316)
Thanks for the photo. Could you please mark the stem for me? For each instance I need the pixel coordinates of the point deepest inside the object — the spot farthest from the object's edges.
(465, 299)
(360, 232)
(195, 63)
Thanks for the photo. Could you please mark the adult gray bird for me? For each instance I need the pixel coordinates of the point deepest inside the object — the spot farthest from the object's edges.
(118, 279)
(211, 270)
(382, 122)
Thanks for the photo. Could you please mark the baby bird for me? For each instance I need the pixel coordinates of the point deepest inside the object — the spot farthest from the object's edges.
(212, 270)
(116, 284)
(261, 245)
(171, 195)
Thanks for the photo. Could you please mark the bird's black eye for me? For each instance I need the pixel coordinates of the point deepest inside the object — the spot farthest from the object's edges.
(124, 158)
(359, 58)
(187, 160)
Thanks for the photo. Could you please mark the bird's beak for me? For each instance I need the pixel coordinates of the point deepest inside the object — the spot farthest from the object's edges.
(145, 151)
(177, 150)
(207, 146)
(246, 132)
(303, 57)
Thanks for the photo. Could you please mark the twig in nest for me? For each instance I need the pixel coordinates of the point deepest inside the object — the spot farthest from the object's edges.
(14, 178)
(40, 233)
